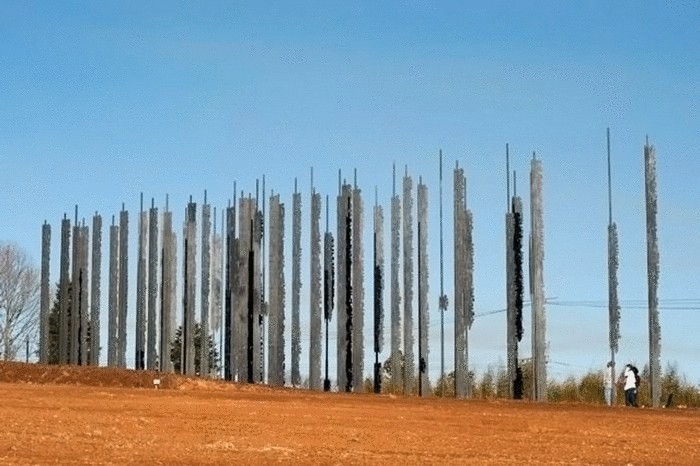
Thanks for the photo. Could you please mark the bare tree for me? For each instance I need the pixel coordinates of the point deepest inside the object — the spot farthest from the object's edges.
(19, 299)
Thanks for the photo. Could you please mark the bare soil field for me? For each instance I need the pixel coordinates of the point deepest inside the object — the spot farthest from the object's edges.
(78, 415)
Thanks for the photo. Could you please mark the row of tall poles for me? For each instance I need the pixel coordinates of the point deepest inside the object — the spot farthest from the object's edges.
(234, 303)
(238, 274)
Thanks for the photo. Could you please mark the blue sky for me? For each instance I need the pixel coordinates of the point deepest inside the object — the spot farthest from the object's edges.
(104, 100)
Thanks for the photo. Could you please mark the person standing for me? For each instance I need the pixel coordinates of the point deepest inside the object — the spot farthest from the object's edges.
(608, 383)
(630, 386)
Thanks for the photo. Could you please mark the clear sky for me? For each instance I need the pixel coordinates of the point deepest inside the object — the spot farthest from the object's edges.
(104, 100)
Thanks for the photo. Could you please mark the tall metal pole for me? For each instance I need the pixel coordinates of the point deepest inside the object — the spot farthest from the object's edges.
(205, 289)
(151, 318)
(251, 305)
(296, 286)
(75, 296)
(378, 291)
(168, 274)
(113, 297)
(315, 322)
(537, 282)
(328, 289)
(45, 293)
(123, 284)
(277, 292)
(395, 245)
(348, 295)
(84, 279)
(141, 290)
(95, 282)
(409, 364)
(423, 285)
(64, 294)
(421, 362)
(358, 289)
(443, 298)
(652, 273)
(190, 245)
(263, 300)
(613, 304)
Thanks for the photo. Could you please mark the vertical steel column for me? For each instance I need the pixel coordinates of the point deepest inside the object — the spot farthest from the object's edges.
(328, 289)
(45, 299)
(652, 273)
(141, 290)
(378, 267)
(277, 293)
(409, 361)
(240, 280)
(248, 300)
(216, 287)
(152, 314)
(462, 378)
(113, 300)
(84, 307)
(349, 379)
(167, 301)
(443, 300)
(358, 288)
(315, 319)
(123, 283)
(261, 275)
(341, 214)
(396, 364)
(511, 341)
(296, 285)
(423, 304)
(75, 294)
(518, 290)
(64, 294)
(230, 290)
(189, 288)
(204, 347)
(613, 263)
(95, 292)
(539, 362)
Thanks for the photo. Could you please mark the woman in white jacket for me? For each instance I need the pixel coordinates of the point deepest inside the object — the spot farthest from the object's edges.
(630, 386)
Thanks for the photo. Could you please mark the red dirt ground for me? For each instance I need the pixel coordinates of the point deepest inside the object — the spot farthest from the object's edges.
(76, 415)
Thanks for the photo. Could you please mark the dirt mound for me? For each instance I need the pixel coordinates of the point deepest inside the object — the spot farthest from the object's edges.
(211, 423)
(17, 372)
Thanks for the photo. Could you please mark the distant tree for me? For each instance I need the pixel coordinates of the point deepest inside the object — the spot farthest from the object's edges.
(19, 300)
(445, 385)
(486, 387)
(368, 384)
(568, 390)
(526, 373)
(502, 383)
(54, 323)
(389, 380)
(676, 390)
(590, 388)
(176, 351)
